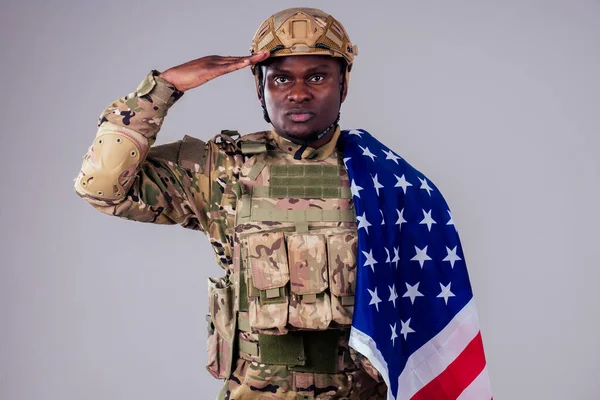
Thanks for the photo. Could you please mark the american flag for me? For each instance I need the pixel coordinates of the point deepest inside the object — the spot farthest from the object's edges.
(414, 315)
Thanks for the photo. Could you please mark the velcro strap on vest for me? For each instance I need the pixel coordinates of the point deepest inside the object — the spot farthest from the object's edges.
(306, 351)
(248, 347)
(249, 147)
(347, 300)
(309, 298)
(303, 181)
(302, 192)
(273, 296)
(245, 207)
(306, 170)
(311, 215)
(243, 323)
(191, 153)
(302, 227)
(283, 350)
(256, 169)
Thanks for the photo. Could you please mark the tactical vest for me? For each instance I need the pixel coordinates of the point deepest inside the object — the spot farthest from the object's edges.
(289, 298)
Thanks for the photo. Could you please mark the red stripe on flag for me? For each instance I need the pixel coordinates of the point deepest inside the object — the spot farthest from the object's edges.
(458, 375)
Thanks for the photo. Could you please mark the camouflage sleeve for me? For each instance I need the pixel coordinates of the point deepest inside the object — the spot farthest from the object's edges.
(123, 175)
(364, 363)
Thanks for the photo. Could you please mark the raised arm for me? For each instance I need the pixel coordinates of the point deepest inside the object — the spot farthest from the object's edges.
(123, 175)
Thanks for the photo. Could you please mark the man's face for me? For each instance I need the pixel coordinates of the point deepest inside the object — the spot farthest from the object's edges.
(302, 95)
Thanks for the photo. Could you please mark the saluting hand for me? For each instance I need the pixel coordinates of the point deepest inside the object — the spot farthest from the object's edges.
(201, 70)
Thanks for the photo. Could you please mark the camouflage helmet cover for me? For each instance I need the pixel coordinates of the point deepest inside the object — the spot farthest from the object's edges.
(303, 31)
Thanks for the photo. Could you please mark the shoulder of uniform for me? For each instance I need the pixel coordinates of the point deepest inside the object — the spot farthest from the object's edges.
(192, 153)
(262, 136)
(189, 153)
(166, 152)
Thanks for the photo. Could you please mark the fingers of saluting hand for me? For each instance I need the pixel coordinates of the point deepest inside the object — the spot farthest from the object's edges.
(235, 63)
(252, 59)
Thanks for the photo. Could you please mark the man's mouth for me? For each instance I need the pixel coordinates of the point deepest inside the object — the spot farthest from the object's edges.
(300, 115)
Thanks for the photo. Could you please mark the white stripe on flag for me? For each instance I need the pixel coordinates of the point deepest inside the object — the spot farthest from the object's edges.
(363, 343)
(478, 389)
(436, 355)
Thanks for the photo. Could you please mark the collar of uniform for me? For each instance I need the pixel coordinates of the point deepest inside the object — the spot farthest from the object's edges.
(309, 153)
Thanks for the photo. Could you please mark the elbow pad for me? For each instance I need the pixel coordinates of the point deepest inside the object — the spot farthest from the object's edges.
(110, 165)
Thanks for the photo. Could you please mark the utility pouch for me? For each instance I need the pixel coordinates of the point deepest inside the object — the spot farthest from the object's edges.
(267, 293)
(310, 305)
(342, 250)
(221, 329)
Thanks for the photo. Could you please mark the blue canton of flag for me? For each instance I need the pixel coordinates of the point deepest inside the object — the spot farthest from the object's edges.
(414, 314)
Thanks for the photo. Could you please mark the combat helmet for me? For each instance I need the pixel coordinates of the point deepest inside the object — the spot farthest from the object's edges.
(303, 31)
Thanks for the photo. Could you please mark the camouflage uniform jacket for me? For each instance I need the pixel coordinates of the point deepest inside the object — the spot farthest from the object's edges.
(170, 188)
(188, 182)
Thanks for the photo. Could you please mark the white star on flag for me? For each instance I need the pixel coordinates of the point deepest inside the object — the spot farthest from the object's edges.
(396, 256)
(421, 256)
(446, 293)
(356, 132)
(370, 260)
(354, 188)
(427, 220)
(393, 295)
(376, 184)
(451, 222)
(406, 329)
(346, 161)
(391, 156)
(374, 298)
(401, 219)
(403, 183)
(412, 292)
(425, 186)
(367, 153)
(394, 334)
(363, 223)
(452, 257)
(382, 218)
(387, 260)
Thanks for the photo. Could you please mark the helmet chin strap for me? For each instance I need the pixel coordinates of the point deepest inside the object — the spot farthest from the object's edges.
(326, 131)
(312, 138)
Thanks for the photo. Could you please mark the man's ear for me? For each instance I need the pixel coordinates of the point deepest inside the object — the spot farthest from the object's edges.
(344, 77)
(260, 95)
(259, 82)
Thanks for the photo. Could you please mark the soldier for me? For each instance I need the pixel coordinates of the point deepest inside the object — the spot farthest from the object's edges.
(276, 206)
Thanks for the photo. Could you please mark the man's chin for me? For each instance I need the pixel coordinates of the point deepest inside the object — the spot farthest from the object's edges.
(298, 136)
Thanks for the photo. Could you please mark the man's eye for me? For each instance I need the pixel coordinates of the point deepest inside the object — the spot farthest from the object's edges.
(281, 79)
(317, 78)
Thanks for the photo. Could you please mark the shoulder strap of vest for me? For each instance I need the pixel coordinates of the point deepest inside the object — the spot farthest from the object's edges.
(252, 147)
(191, 153)
(253, 143)
(167, 151)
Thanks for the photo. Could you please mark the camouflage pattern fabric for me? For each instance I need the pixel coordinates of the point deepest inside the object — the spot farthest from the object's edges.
(164, 192)
(197, 185)
(254, 381)
(221, 327)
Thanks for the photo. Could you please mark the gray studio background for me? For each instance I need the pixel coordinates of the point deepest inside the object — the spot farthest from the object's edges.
(496, 101)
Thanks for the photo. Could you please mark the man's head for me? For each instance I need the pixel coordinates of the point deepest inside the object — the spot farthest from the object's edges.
(302, 95)
(305, 79)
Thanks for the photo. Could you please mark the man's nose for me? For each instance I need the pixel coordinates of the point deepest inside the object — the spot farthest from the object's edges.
(299, 92)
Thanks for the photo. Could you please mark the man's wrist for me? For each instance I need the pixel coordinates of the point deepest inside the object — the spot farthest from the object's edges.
(168, 77)
(159, 88)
